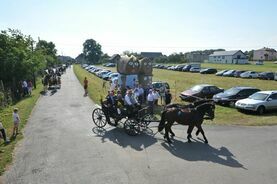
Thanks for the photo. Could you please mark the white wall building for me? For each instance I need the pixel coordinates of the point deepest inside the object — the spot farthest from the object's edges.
(228, 57)
(265, 54)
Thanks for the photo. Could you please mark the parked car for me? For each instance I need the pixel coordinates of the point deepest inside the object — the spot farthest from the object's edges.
(179, 67)
(234, 94)
(208, 71)
(275, 76)
(158, 84)
(186, 68)
(266, 75)
(238, 72)
(229, 73)
(106, 75)
(200, 91)
(195, 69)
(110, 65)
(84, 65)
(249, 74)
(220, 73)
(113, 75)
(259, 63)
(259, 102)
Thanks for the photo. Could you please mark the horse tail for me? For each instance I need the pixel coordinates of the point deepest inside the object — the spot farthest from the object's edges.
(162, 122)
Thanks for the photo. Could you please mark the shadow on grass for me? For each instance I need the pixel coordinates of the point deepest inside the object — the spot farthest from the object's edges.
(198, 151)
(267, 113)
(119, 137)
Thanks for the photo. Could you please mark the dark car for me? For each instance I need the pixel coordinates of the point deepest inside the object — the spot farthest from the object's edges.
(220, 73)
(229, 73)
(200, 91)
(179, 67)
(234, 94)
(238, 72)
(266, 75)
(208, 71)
(158, 84)
(186, 68)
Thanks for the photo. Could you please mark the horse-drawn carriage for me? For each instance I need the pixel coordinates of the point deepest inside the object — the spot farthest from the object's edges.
(133, 123)
(52, 79)
(192, 115)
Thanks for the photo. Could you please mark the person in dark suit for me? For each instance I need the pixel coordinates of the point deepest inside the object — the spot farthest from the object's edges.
(111, 103)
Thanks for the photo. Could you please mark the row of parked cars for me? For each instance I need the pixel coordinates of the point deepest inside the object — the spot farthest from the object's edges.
(243, 98)
(225, 73)
(248, 74)
(101, 72)
(185, 68)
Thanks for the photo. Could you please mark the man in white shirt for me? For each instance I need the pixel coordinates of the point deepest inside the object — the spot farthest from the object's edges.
(25, 87)
(150, 100)
(130, 102)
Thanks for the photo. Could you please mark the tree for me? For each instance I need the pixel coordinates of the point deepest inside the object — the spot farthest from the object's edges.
(48, 49)
(92, 51)
(19, 61)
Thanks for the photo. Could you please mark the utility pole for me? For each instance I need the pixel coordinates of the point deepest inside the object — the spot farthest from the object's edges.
(34, 75)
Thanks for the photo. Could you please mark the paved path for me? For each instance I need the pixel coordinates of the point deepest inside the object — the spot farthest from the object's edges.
(60, 147)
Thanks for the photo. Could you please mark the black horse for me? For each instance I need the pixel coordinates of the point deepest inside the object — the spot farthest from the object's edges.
(193, 117)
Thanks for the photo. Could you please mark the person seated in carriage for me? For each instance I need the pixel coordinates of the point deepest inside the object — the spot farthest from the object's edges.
(131, 103)
(111, 103)
(120, 100)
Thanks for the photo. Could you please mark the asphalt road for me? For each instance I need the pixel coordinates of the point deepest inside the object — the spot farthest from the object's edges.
(62, 145)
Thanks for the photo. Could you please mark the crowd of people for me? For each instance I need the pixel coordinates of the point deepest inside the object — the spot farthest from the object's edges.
(25, 88)
(134, 98)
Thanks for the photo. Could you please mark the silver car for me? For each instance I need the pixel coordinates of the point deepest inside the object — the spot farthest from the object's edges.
(249, 74)
(259, 102)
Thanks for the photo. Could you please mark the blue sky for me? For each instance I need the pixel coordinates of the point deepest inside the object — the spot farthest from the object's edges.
(145, 25)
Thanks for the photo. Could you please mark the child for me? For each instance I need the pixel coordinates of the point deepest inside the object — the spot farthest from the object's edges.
(16, 121)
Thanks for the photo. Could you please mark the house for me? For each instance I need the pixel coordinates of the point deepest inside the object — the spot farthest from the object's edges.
(151, 55)
(196, 57)
(228, 57)
(114, 58)
(265, 54)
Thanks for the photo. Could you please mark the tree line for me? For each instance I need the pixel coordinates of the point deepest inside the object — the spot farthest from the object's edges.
(22, 58)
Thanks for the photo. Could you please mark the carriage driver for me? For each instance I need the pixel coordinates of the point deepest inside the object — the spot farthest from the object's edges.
(130, 102)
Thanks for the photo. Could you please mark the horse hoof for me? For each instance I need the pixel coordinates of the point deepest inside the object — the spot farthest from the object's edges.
(206, 142)
(189, 141)
(172, 135)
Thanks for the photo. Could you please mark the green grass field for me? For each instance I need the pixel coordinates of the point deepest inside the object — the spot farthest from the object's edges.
(97, 88)
(25, 107)
(180, 81)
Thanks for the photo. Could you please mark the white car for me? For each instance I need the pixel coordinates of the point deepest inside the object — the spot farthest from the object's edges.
(259, 102)
(249, 74)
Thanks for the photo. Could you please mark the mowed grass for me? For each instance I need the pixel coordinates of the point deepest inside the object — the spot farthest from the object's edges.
(25, 107)
(268, 66)
(180, 81)
(97, 88)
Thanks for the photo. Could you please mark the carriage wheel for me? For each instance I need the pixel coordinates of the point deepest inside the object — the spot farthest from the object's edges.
(99, 118)
(146, 120)
(131, 127)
